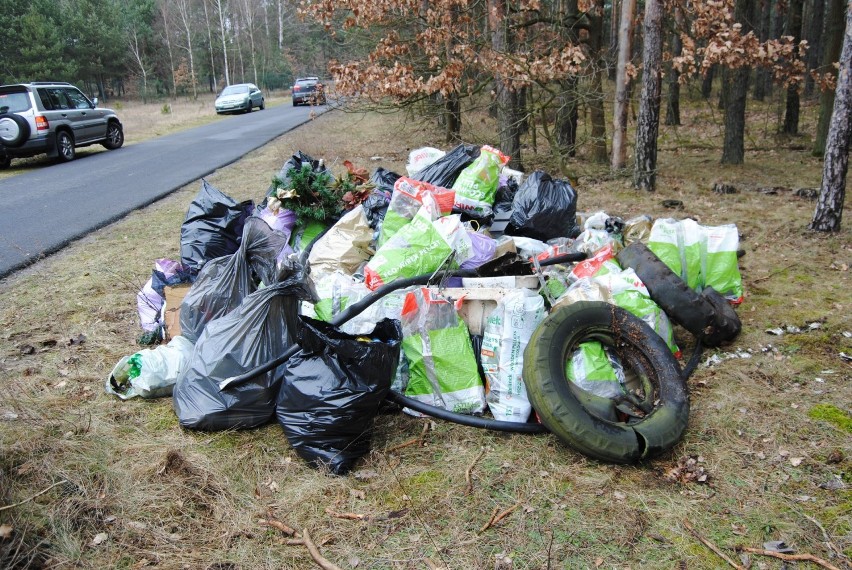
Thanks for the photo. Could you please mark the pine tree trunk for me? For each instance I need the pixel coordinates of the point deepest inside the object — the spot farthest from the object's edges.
(452, 112)
(567, 115)
(506, 101)
(794, 30)
(814, 38)
(834, 41)
(596, 106)
(829, 210)
(648, 125)
(622, 85)
(707, 82)
(762, 13)
(673, 102)
(733, 151)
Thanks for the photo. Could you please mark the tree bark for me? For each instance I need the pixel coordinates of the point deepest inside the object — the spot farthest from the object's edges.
(733, 151)
(452, 112)
(596, 106)
(220, 9)
(762, 14)
(793, 29)
(622, 85)
(707, 82)
(834, 41)
(567, 116)
(829, 209)
(814, 38)
(648, 125)
(506, 101)
(673, 101)
(210, 46)
(776, 28)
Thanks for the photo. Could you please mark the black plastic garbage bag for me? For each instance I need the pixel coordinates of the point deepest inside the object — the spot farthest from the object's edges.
(543, 208)
(505, 196)
(333, 388)
(223, 283)
(260, 329)
(444, 171)
(376, 205)
(296, 162)
(212, 227)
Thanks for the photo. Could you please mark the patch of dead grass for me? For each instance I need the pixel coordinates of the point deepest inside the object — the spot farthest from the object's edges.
(171, 498)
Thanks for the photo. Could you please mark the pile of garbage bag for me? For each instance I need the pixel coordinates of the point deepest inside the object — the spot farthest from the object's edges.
(461, 289)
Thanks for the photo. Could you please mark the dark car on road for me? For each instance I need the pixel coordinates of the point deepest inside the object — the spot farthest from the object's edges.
(308, 90)
(53, 118)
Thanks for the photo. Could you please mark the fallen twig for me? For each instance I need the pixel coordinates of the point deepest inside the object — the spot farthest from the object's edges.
(791, 557)
(490, 520)
(279, 525)
(711, 546)
(40, 493)
(470, 468)
(300, 542)
(497, 518)
(413, 441)
(773, 273)
(315, 554)
(349, 516)
(831, 545)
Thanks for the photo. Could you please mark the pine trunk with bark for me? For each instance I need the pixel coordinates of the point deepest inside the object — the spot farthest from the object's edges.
(776, 28)
(568, 101)
(762, 12)
(829, 209)
(452, 114)
(733, 151)
(506, 100)
(833, 44)
(622, 85)
(648, 125)
(707, 82)
(673, 101)
(596, 102)
(814, 37)
(794, 30)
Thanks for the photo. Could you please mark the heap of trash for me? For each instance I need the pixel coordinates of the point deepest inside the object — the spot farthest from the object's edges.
(463, 290)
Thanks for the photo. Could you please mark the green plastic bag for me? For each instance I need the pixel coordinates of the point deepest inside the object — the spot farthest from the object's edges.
(594, 368)
(441, 362)
(476, 186)
(407, 198)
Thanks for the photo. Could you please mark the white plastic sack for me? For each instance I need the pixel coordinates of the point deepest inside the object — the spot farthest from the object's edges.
(150, 373)
(421, 158)
(507, 332)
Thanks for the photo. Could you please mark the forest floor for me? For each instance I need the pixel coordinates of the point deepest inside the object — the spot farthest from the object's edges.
(89, 481)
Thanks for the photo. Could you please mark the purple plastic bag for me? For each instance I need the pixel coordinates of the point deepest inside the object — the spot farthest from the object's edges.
(483, 248)
(148, 301)
(284, 221)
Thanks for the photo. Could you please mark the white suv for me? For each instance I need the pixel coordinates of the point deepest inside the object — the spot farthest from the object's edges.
(53, 118)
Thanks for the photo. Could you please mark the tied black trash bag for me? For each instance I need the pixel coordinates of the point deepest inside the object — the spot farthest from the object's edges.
(223, 283)
(259, 330)
(444, 171)
(376, 205)
(212, 227)
(543, 208)
(333, 388)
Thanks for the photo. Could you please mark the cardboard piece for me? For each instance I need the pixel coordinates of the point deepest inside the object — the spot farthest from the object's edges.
(171, 308)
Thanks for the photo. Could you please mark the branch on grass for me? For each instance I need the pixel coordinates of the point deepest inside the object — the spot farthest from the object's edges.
(790, 557)
(40, 493)
(413, 441)
(279, 525)
(469, 469)
(711, 546)
(495, 518)
(315, 553)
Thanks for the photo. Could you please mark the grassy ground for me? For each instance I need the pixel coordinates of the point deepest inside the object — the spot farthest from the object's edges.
(127, 488)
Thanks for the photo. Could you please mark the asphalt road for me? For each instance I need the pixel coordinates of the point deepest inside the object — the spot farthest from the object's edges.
(44, 210)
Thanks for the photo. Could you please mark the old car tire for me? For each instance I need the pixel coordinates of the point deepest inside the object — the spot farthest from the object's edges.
(14, 130)
(65, 146)
(591, 424)
(114, 136)
(684, 306)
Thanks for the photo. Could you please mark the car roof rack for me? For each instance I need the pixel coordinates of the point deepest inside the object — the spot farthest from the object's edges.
(49, 83)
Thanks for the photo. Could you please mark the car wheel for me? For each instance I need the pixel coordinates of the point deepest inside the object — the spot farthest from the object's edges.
(294, 103)
(65, 146)
(14, 130)
(114, 136)
(262, 104)
(5, 161)
(642, 422)
(248, 109)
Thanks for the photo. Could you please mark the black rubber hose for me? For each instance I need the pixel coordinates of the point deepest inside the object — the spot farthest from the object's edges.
(463, 419)
(565, 258)
(692, 364)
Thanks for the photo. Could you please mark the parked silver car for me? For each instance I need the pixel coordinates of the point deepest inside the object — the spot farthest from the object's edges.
(53, 118)
(239, 97)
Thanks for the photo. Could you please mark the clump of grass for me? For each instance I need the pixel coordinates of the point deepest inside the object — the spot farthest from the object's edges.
(833, 415)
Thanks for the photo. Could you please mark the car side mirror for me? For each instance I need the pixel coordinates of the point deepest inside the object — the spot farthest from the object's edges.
(94, 102)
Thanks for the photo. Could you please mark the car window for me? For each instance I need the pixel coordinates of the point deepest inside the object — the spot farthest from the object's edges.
(14, 102)
(58, 100)
(235, 90)
(77, 99)
(44, 96)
